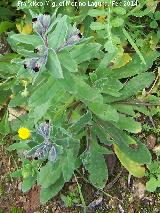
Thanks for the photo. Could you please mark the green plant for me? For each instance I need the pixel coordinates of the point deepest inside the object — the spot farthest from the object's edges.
(2, 190)
(70, 200)
(15, 210)
(7, 13)
(154, 176)
(78, 93)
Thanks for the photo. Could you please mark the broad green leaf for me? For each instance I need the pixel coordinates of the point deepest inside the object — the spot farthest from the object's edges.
(67, 61)
(128, 124)
(39, 111)
(109, 86)
(28, 183)
(110, 47)
(137, 84)
(133, 86)
(104, 111)
(153, 24)
(96, 12)
(26, 53)
(152, 184)
(53, 64)
(53, 171)
(59, 35)
(5, 96)
(85, 52)
(34, 40)
(140, 154)
(94, 162)
(134, 168)
(102, 72)
(68, 165)
(81, 90)
(49, 88)
(102, 135)
(126, 109)
(5, 25)
(18, 146)
(7, 69)
(119, 10)
(97, 26)
(16, 174)
(117, 22)
(135, 66)
(157, 15)
(50, 192)
(82, 122)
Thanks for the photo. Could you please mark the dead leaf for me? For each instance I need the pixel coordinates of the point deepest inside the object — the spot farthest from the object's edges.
(26, 29)
(152, 5)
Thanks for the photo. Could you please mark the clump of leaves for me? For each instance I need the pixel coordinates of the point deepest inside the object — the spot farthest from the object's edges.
(70, 199)
(154, 176)
(88, 99)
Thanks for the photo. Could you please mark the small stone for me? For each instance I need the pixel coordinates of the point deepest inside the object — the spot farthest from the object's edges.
(151, 141)
(20, 186)
(138, 190)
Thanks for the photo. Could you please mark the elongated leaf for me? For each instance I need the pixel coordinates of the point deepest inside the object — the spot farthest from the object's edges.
(4, 125)
(97, 26)
(96, 12)
(67, 61)
(34, 40)
(82, 91)
(48, 88)
(102, 135)
(85, 52)
(95, 164)
(82, 122)
(137, 84)
(18, 146)
(135, 66)
(104, 111)
(109, 86)
(102, 70)
(125, 109)
(58, 36)
(28, 183)
(140, 154)
(68, 165)
(49, 174)
(133, 86)
(133, 45)
(134, 168)
(48, 193)
(16, 174)
(152, 184)
(53, 64)
(5, 25)
(129, 124)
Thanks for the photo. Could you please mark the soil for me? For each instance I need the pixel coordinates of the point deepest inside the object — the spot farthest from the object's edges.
(122, 194)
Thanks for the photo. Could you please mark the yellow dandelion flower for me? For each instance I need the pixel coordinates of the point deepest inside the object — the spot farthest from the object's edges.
(24, 133)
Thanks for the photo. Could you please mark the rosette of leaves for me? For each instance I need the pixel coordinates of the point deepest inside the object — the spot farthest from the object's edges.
(90, 102)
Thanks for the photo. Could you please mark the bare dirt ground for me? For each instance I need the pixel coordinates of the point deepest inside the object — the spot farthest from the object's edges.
(122, 194)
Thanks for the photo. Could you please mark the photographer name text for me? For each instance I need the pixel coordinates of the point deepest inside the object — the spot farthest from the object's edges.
(50, 3)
